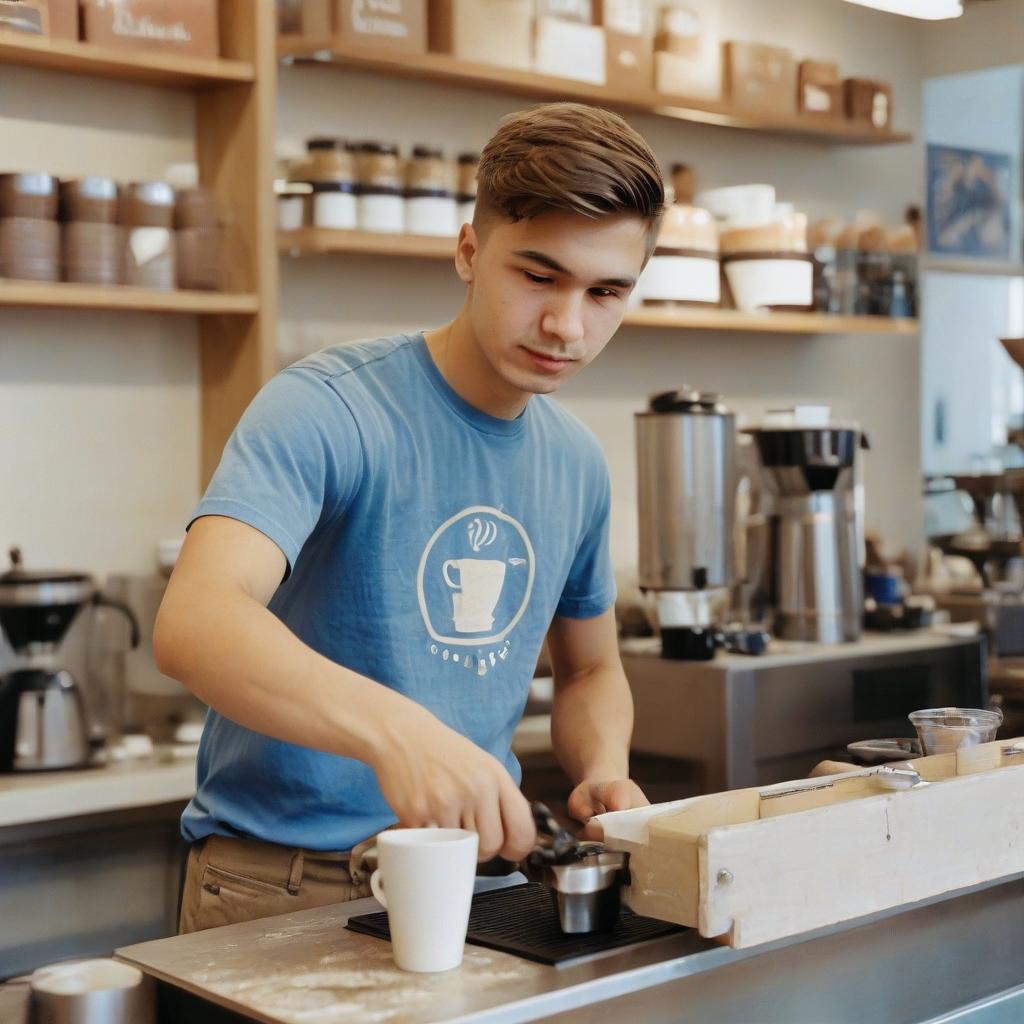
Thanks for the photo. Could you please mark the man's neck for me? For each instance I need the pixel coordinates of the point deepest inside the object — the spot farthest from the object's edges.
(460, 360)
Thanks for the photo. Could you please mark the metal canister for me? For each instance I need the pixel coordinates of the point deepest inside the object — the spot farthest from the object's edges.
(686, 484)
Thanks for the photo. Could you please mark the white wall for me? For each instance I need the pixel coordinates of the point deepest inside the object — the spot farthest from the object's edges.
(870, 379)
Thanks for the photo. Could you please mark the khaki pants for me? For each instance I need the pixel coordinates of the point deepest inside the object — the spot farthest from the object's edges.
(232, 880)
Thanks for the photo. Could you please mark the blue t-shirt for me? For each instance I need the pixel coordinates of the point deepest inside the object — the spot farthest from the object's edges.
(429, 546)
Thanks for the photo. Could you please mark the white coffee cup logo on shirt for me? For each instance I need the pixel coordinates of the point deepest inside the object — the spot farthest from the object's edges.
(477, 591)
(474, 585)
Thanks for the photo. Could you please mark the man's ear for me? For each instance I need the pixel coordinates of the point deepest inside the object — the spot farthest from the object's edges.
(466, 249)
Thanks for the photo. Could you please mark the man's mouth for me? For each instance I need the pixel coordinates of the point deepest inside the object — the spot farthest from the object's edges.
(545, 362)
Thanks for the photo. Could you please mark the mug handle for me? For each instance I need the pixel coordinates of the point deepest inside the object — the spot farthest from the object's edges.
(447, 578)
(377, 888)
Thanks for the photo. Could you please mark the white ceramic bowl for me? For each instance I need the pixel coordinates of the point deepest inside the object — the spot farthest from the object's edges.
(773, 280)
(739, 206)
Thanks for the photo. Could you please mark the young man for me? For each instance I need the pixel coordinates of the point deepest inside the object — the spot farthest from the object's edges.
(394, 527)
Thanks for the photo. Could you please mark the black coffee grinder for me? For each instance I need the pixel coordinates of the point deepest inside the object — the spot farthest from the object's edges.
(43, 718)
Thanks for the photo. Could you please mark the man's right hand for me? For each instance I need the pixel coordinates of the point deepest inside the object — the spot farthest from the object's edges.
(430, 775)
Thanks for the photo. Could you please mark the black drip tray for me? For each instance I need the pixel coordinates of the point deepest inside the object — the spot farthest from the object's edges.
(522, 920)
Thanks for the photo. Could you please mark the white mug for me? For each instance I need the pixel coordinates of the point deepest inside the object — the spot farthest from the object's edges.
(476, 591)
(425, 880)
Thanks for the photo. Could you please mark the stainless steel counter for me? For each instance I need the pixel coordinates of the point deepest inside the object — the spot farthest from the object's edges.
(960, 957)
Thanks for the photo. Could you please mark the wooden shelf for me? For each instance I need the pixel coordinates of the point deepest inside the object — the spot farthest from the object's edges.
(985, 268)
(439, 67)
(83, 296)
(697, 319)
(129, 65)
(321, 241)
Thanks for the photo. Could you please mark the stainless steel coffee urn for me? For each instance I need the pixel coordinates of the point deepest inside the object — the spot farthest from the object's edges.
(815, 560)
(687, 478)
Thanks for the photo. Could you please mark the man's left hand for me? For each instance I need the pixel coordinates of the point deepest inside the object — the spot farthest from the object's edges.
(590, 798)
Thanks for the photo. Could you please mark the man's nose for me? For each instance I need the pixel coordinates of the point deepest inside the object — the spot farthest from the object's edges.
(563, 319)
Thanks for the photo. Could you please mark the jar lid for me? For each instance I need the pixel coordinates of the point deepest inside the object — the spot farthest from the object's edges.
(427, 152)
(93, 186)
(32, 183)
(687, 399)
(469, 158)
(156, 193)
(385, 149)
(325, 143)
(19, 586)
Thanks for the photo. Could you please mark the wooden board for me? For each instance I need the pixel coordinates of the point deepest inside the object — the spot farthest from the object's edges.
(756, 865)
(61, 295)
(168, 69)
(439, 67)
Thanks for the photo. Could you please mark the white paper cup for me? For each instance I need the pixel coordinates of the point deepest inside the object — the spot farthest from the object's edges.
(425, 880)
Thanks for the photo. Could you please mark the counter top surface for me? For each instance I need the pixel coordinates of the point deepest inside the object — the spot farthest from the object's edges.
(47, 796)
(307, 967)
(791, 652)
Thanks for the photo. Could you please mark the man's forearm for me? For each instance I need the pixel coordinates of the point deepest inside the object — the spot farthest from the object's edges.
(591, 725)
(240, 659)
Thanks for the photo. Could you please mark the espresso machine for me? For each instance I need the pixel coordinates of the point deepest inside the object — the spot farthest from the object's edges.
(44, 721)
(814, 555)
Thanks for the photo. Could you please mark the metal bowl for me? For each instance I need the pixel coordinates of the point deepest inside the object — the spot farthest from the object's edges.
(587, 892)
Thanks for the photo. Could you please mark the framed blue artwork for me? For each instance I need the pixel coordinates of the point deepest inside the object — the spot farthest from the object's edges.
(968, 202)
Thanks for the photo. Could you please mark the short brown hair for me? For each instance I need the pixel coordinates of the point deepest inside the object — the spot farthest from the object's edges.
(569, 157)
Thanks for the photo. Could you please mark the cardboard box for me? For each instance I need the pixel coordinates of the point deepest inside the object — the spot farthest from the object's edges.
(63, 16)
(760, 78)
(680, 76)
(570, 50)
(29, 17)
(183, 26)
(626, 17)
(688, 53)
(484, 31)
(308, 18)
(629, 64)
(580, 11)
(869, 102)
(383, 24)
(820, 90)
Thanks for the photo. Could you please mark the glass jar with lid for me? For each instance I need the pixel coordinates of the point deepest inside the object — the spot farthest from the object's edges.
(330, 169)
(429, 196)
(380, 201)
(465, 186)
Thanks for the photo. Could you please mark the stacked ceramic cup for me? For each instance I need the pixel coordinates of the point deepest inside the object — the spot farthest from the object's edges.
(147, 213)
(200, 240)
(29, 232)
(93, 241)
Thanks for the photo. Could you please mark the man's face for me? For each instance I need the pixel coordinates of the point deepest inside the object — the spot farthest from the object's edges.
(547, 294)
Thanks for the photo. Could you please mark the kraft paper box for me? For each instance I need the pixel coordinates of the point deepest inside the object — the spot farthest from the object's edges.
(688, 54)
(629, 65)
(581, 11)
(183, 26)
(760, 78)
(308, 18)
(626, 17)
(570, 50)
(63, 18)
(484, 31)
(820, 92)
(868, 102)
(383, 24)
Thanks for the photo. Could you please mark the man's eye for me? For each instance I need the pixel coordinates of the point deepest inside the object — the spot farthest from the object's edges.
(537, 278)
(604, 293)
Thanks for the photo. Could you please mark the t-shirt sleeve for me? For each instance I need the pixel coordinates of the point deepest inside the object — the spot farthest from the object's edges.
(294, 456)
(590, 587)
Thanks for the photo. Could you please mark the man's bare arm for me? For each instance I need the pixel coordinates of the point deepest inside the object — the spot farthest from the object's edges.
(215, 634)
